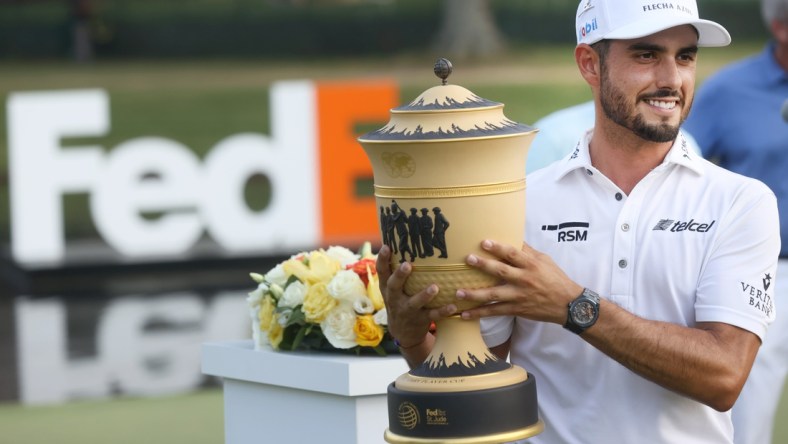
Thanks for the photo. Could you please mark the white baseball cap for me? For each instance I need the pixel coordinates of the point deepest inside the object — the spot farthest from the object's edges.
(631, 19)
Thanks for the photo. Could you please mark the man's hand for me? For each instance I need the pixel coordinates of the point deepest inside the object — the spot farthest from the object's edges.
(409, 321)
(708, 362)
(533, 286)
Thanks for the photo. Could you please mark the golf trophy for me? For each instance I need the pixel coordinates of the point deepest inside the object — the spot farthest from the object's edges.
(449, 172)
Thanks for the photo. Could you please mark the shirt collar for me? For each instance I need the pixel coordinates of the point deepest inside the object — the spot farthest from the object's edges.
(679, 154)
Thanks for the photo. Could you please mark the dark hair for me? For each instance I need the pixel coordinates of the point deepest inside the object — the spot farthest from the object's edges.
(601, 47)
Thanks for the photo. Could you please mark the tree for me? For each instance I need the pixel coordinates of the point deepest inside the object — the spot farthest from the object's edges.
(468, 29)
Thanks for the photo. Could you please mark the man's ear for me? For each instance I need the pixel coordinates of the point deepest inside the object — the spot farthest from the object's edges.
(588, 62)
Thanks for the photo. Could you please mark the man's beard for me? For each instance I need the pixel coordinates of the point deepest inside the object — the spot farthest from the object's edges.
(617, 109)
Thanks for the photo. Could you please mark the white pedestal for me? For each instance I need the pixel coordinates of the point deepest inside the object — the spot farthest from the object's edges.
(301, 397)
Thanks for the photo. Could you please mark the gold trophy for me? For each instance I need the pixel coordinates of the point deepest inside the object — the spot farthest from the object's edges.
(449, 172)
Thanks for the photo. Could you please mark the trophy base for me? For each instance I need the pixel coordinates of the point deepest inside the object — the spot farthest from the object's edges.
(494, 415)
(489, 439)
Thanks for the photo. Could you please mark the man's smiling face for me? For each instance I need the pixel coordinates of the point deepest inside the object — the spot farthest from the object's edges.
(647, 84)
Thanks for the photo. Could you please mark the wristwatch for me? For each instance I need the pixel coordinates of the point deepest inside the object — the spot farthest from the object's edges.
(583, 312)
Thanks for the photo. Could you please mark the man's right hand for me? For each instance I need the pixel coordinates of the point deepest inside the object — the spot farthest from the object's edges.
(408, 318)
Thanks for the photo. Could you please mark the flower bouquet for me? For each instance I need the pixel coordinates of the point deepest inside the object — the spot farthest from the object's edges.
(321, 299)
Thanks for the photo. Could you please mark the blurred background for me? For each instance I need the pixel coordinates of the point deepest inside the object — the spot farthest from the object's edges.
(154, 152)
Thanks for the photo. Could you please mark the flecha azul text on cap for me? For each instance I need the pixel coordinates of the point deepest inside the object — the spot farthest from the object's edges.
(658, 6)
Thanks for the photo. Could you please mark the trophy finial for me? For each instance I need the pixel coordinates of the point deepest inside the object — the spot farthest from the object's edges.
(443, 69)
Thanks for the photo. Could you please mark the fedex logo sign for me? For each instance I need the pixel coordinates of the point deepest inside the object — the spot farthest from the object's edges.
(311, 159)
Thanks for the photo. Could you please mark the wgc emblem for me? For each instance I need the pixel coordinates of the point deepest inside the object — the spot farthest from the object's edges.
(408, 415)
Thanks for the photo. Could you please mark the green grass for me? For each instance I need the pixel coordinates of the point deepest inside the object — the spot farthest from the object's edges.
(781, 420)
(196, 418)
(187, 419)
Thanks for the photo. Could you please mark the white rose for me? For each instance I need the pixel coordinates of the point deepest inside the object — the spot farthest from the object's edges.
(338, 326)
(256, 296)
(293, 295)
(277, 276)
(381, 317)
(363, 305)
(347, 286)
(343, 255)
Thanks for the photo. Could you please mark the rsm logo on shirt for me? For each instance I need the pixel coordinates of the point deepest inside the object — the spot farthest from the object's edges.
(569, 231)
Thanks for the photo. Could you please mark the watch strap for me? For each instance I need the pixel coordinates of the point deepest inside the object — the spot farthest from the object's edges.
(571, 326)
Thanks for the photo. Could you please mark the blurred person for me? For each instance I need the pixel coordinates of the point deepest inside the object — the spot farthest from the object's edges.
(559, 133)
(737, 122)
(674, 248)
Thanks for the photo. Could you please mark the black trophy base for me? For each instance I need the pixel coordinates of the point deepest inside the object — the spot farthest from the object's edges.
(488, 416)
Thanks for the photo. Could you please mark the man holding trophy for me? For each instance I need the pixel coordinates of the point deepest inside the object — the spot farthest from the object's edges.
(639, 302)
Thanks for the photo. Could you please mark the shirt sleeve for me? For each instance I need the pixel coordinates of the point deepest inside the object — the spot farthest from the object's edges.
(738, 281)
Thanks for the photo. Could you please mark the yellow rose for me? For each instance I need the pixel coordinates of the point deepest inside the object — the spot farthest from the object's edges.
(318, 302)
(368, 333)
(323, 267)
(294, 267)
(275, 335)
(266, 314)
(373, 291)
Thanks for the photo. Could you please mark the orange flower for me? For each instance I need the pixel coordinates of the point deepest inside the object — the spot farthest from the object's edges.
(361, 267)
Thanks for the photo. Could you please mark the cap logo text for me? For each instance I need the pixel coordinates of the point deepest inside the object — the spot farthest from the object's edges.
(588, 28)
(662, 6)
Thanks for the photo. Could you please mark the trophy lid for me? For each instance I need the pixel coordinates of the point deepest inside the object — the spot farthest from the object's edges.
(446, 113)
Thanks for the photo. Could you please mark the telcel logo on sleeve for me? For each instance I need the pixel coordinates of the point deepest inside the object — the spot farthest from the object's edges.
(311, 159)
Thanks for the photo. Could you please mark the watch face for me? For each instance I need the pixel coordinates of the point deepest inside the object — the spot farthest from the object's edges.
(583, 313)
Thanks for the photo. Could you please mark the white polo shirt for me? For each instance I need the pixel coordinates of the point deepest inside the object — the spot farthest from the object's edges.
(691, 243)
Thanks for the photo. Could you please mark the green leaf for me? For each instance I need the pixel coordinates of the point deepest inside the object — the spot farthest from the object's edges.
(297, 317)
(380, 350)
(291, 279)
(299, 337)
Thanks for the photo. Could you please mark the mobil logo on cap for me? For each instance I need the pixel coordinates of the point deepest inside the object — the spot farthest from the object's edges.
(587, 28)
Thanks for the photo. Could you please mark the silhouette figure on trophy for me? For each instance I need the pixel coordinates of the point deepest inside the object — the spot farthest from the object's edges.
(414, 229)
(388, 226)
(399, 222)
(384, 227)
(425, 233)
(439, 232)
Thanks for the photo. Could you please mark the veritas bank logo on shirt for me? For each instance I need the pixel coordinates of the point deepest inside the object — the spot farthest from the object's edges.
(569, 231)
(760, 299)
